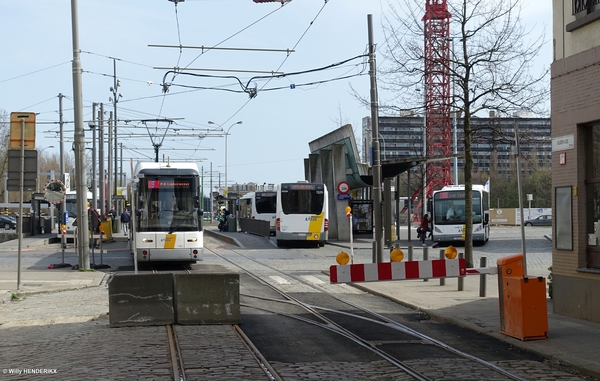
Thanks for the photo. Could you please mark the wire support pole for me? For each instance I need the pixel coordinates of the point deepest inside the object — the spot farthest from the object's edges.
(377, 206)
(80, 160)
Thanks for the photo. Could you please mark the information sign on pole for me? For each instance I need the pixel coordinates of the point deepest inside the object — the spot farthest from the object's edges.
(16, 127)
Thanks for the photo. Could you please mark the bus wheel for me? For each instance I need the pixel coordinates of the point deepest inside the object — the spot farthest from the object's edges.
(321, 244)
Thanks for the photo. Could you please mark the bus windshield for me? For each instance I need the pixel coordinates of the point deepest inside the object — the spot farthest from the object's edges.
(302, 201)
(167, 204)
(266, 202)
(71, 207)
(449, 207)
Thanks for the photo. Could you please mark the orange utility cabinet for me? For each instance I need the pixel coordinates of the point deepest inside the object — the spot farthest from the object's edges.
(523, 305)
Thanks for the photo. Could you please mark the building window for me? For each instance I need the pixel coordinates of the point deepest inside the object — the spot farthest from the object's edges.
(585, 6)
(592, 181)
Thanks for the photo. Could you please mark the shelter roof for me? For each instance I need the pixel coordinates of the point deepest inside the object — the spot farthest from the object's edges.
(360, 175)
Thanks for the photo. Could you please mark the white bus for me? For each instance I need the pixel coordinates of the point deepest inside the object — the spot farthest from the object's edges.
(71, 211)
(260, 206)
(302, 213)
(166, 219)
(448, 214)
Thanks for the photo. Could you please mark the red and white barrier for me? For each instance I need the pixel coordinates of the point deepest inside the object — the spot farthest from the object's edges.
(373, 272)
(483, 270)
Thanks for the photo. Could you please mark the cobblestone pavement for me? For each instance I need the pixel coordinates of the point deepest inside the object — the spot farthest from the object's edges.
(68, 333)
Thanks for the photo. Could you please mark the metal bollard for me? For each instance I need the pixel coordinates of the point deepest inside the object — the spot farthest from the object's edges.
(374, 259)
(410, 253)
(461, 280)
(442, 256)
(425, 258)
(482, 279)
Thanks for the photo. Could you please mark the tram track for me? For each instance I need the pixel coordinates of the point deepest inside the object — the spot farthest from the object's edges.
(322, 317)
(177, 366)
(176, 355)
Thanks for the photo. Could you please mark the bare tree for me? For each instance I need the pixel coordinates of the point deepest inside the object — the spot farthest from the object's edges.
(491, 64)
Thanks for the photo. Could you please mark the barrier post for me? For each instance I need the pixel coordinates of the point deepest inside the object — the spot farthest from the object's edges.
(410, 253)
(442, 256)
(461, 280)
(482, 279)
(425, 258)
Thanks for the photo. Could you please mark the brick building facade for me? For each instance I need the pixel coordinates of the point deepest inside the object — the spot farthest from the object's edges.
(575, 93)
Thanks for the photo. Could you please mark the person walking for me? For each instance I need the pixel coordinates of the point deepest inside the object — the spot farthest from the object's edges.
(424, 228)
(125, 218)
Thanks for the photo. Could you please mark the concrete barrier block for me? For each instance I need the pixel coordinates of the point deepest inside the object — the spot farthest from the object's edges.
(141, 300)
(207, 298)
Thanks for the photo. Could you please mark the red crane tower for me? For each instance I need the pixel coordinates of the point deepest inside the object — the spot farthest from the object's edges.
(437, 93)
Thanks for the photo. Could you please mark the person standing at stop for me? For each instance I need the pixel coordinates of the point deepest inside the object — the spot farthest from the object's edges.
(125, 218)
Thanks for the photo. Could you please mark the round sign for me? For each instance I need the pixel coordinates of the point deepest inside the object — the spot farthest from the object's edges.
(54, 192)
(343, 187)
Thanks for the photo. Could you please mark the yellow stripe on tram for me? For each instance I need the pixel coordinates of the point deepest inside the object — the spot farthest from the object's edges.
(314, 227)
(170, 241)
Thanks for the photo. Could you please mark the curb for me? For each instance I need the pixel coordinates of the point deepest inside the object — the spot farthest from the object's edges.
(223, 237)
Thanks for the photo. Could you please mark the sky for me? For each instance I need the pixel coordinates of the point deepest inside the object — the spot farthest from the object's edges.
(270, 144)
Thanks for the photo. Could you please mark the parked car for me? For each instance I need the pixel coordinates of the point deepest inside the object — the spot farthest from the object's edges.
(8, 223)
(544, 220)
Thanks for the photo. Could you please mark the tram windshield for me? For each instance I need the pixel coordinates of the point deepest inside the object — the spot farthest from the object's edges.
(168, 204)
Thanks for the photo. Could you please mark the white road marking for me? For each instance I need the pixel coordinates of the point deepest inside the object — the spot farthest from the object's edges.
(312, 279)
(279, 280)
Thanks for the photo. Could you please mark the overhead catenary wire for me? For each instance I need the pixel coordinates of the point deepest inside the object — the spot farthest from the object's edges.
(127, 114)
(284, 60)
(252, 92)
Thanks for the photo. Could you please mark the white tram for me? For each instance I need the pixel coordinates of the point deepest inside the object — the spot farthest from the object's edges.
(166, 219)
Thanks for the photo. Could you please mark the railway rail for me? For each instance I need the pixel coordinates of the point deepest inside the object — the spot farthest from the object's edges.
(397, 337)
(397, 350)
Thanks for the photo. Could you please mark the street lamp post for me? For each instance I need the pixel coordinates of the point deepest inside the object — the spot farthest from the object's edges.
(115, 99)
(226, 134)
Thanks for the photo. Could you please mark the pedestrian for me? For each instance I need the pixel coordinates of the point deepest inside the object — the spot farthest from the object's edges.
(112, 213)
(424, 228)
(94, 225)
(125, 218)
